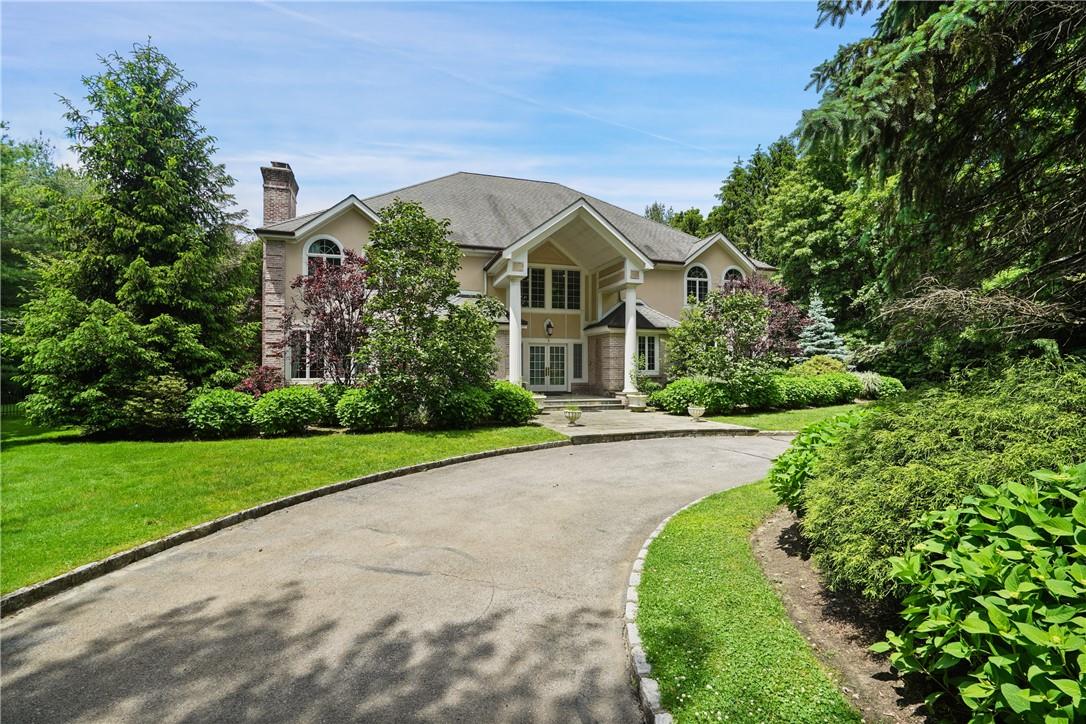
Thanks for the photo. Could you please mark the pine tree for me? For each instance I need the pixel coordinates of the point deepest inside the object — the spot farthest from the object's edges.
(144, 300)
(820, 336)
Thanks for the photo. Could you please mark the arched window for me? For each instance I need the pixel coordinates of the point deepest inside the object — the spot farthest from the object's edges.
(323, 251)
(733, 274)
(697, 283)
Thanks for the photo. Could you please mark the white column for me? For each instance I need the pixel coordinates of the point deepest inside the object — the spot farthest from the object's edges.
(513, 304)
(631, 337)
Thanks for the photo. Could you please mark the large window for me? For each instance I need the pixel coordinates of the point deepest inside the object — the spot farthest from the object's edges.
(647, 350)
(697, 283)
(322, 251)
(301, 366)
(532, 289)
(565, 289)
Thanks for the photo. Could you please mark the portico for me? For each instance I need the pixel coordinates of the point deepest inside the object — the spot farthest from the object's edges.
(559, 279)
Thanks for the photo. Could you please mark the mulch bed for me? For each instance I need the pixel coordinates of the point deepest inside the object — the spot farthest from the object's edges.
(837, 627)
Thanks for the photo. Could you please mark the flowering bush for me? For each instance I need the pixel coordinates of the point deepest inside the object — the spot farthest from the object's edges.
(288, 410)
(261, 380)
(220, 413)
(997, 609)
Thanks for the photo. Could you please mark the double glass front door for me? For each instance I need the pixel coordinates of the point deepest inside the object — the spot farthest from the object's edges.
(547, 368)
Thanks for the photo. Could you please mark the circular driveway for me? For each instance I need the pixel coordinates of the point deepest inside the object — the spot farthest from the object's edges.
(487, 591)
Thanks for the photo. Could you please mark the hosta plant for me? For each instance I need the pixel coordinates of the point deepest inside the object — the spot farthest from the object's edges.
(997, 609)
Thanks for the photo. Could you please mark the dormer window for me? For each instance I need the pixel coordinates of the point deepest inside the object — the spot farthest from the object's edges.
(323, 251)
(733, 274)
(697, 283)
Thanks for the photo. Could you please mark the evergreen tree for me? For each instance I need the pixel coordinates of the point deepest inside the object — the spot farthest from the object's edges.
(820, 336)
(144, 300)
(658, 212)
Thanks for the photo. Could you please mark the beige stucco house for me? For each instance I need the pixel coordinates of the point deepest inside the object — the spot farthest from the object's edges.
(587, 286)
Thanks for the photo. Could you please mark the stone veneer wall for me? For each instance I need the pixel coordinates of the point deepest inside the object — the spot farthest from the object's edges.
(273, 301)
(501, 340)
(605, 360)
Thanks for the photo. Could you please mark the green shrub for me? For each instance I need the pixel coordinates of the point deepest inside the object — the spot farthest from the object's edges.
(220, 413)
(997, 609)
(288, 410)
(332, 393)
(156, 406)
(511, 404)
(225, 379)
(820, 364)
(890, 387)
(362, 409)
(929, 450)
(686, 391)
(796, 466)
(462, 407)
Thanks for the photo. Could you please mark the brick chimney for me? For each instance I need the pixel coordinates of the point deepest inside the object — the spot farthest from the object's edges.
(280, 193)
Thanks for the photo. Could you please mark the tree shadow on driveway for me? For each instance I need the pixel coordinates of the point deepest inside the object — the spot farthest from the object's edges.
(259, 661)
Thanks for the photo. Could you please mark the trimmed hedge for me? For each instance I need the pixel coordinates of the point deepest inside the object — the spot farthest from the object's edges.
(288, 410)
(511, 404)
(757, 392)
(220, 413)
(927, 452)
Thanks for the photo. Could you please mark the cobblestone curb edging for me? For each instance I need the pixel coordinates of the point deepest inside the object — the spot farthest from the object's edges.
(589, 438)
(648, 689)
(23, 597)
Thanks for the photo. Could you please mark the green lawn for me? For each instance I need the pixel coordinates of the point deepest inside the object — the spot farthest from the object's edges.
(718, 638)
(787, 420)
(67, 502)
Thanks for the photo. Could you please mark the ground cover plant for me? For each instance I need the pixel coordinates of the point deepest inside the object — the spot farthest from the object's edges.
(785, 420)
(719, 640)
(928, 451)
(796, 466)
(997, 606)
(69, 501)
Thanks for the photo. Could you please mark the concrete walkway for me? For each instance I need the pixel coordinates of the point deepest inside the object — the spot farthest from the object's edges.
(487, 591)
(605, 425)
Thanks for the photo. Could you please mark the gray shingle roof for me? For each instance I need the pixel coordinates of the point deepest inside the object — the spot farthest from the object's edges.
(491, 212)
(647, 318)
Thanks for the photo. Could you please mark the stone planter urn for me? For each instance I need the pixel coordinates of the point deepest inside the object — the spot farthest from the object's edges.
(636, 401)
(572, 414)
(539, 400)
(695, 411)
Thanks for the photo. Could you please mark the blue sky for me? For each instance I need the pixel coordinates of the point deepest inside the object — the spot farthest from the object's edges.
(628, 102)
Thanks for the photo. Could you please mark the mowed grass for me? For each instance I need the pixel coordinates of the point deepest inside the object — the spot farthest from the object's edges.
(68, 501)
(786, 420)
(718, 638)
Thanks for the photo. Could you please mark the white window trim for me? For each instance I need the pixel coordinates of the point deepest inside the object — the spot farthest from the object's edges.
(724, 274)
(547, 268)
(320, 237)
(686, 277)
(584, 360)
(651, 371)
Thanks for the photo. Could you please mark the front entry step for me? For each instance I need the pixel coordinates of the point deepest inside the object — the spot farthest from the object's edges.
(586, 404)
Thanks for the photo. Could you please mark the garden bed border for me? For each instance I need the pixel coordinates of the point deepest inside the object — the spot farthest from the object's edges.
(646, 687)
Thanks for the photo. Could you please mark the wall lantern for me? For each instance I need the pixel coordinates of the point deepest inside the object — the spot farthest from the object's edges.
(549, 326)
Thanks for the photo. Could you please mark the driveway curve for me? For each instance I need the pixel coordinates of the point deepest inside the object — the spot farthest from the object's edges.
(487, 591)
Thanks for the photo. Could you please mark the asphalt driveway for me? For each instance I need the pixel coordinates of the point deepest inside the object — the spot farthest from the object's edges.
(487, 591)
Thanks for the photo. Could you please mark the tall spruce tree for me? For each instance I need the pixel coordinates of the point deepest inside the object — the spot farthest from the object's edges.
(820, 336)
(144, 300)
